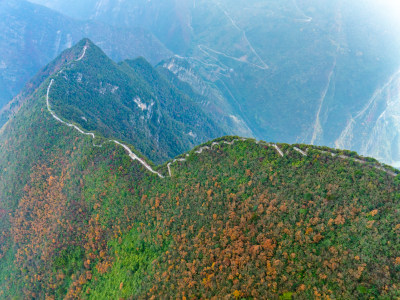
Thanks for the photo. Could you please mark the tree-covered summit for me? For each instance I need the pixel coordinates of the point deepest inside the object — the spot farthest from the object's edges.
(130, 101)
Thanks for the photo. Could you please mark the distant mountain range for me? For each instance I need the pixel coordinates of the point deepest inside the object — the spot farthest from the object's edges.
(129, 101)
(32, 35)
(293, 71)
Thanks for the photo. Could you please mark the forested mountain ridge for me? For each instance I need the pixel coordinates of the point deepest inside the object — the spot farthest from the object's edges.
(33, 35)
(129, 101)
(319, 72)
(237, 218)
(65, 58)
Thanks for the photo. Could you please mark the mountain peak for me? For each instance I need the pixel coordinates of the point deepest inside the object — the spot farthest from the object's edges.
(86, 48)
(129, 101)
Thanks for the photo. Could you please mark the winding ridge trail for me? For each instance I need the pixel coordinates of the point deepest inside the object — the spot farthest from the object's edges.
(83, 53)
(300, 151)
(278, 149)
(58, 119)
(135, 157)
(132, 155)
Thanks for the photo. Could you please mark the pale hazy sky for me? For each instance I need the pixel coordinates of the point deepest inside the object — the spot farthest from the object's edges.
(391, 6)
(389, 10)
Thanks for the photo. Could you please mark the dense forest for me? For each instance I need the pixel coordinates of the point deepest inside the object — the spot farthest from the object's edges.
(238, 220)
(131, 101)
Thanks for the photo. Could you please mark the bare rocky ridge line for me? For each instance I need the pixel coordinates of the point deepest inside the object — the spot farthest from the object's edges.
(134, 157)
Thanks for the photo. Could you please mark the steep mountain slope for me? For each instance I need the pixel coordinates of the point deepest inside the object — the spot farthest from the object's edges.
(33, 35)
(294, 71)
(375, 129)
(65, 58)
(130, 101)
(213, 100)
(232, 218)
